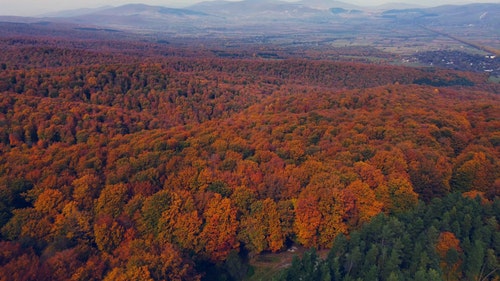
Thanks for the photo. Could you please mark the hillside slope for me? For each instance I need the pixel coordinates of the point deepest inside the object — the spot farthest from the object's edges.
(131, 165)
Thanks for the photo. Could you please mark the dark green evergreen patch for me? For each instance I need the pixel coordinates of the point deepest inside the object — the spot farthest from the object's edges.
(403, 247)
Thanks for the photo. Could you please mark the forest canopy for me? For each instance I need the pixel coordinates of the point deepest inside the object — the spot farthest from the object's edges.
(140, 166)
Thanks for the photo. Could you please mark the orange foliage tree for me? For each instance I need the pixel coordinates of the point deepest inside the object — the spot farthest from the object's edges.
(218, 236)
(448, 249)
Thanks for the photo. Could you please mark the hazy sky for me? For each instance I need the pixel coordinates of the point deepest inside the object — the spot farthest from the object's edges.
(37, 7)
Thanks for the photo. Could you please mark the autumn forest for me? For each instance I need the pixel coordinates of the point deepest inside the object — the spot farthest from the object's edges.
(132, 160)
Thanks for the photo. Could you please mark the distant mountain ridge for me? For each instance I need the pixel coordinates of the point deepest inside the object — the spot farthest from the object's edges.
(138, 9)
(265, 17)
(328, 4)
(255, 9)
(471, 14)
(75, 12)
(398, 5)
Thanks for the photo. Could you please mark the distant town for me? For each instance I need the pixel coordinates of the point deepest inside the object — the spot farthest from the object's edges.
(457, 60)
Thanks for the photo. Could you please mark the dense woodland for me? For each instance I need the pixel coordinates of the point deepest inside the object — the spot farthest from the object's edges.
(158, 164)
(454, 238)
